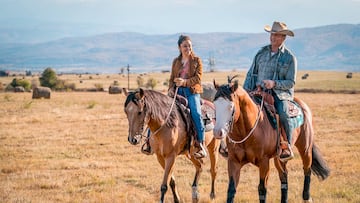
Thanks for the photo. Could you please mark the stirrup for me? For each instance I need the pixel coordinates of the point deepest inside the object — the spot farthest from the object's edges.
(287, 156)
(223, 152)
(146, 149)
(201, 153)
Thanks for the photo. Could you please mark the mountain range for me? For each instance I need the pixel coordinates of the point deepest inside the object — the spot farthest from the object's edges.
(331, 47)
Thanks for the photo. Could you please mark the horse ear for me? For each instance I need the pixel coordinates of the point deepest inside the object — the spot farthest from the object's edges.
(216, 85)
(141, 91)
(125, 91)
(235, 86)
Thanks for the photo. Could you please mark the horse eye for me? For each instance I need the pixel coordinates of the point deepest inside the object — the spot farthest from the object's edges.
(139, 113)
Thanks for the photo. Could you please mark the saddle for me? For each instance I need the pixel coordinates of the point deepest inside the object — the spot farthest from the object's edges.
(207, 112)
(294, 111)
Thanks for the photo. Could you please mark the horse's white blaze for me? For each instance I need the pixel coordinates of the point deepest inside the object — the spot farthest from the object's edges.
(223, 115)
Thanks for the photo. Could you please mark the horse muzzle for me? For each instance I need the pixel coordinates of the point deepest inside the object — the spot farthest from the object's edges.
(220, 133)
(134, 140)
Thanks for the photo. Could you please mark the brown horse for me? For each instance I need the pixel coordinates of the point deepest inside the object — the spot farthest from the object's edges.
(169, 137)
(252, 139)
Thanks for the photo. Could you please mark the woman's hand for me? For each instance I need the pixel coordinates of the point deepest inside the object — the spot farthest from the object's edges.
(180, 82)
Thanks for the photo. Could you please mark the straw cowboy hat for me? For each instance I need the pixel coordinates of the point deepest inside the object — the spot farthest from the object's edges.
(279, 28)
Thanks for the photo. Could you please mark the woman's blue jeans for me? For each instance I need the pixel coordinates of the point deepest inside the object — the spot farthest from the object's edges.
(195, 111)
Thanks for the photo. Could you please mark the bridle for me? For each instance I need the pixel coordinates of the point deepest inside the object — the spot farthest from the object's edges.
(231, 124)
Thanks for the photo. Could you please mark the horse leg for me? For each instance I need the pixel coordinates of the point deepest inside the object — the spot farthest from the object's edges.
(283, 176)
(306, 156)
(234, 168)
(198, 165)
(167, 165)
(213, 149)
(174, 190)
(264, 175)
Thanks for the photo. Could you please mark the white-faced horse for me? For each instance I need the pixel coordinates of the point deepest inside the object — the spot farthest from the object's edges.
(252, 139)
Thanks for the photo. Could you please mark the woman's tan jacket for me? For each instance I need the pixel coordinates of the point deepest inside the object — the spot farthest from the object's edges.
(195, 74)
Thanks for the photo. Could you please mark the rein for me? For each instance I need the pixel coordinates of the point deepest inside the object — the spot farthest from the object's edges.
(252, 129)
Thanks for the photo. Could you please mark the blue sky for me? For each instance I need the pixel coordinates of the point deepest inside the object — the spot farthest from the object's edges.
(175, 16)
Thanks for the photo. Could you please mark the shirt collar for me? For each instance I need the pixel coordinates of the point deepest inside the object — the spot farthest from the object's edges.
(280, 49)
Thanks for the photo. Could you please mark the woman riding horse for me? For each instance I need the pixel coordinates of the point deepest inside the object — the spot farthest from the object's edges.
(169, 136)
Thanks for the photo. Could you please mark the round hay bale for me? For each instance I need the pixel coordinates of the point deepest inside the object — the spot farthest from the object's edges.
(41, 92)
(115, 90)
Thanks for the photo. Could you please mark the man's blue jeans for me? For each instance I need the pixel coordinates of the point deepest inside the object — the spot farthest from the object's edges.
(195, 110)
(282, 109)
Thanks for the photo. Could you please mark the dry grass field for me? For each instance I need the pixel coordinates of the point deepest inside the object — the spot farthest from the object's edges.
(73, 148)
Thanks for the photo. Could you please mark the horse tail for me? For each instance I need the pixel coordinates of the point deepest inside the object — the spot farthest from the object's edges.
(307, 130)
(318, 165)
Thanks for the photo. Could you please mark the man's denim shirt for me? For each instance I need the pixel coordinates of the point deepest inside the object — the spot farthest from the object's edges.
(284, 71)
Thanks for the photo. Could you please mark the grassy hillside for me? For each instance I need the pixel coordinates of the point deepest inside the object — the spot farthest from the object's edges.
(332, 47)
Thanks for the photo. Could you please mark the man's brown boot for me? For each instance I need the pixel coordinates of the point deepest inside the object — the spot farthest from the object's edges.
(286, 154)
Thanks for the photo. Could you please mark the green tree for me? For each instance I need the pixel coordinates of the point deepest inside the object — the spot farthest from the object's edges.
(48, 78)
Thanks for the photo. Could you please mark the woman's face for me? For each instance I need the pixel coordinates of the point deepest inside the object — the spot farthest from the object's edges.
(185, 48)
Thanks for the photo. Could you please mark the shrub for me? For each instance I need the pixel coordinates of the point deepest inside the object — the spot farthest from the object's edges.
(21, 82)
(63, 85)
(151, 83)
(99, 87)
(140, 81)
(91, 105)
(48, 78)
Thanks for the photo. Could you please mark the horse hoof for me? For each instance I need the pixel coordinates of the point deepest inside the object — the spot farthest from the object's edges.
(195, 195)
(308, 201)
(212, 196)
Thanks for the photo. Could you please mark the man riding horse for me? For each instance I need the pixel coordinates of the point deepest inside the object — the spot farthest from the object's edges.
(274, 68)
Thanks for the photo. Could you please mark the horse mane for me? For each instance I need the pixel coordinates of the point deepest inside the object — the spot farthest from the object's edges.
(157, 106)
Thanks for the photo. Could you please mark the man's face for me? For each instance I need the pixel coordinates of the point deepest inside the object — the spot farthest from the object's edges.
(277, 39)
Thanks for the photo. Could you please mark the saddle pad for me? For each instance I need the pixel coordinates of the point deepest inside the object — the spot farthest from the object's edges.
(296, 114)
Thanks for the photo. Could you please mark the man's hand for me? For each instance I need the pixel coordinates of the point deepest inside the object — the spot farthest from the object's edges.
(180, 82)
(269, 84)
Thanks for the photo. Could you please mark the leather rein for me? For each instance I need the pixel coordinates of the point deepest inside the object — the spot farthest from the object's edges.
(231, 123)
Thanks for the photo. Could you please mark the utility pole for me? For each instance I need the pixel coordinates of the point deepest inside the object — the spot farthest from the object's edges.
(128, 70)
(212, 63)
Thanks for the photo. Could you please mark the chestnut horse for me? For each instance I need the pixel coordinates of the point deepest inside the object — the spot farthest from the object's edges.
(252, 139)
(169, 136)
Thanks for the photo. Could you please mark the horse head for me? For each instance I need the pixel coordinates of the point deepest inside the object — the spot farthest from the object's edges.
(224, 108)
(135, 110)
